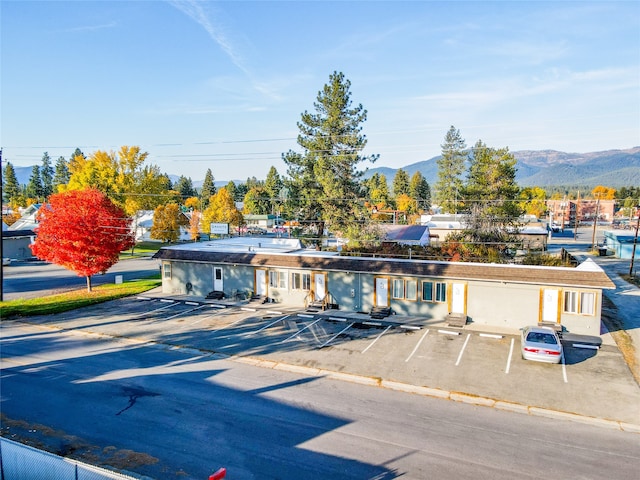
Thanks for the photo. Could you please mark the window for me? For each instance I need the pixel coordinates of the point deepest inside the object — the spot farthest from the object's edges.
(434, 292)
(579, 302)
(282, 280)
(277, 279)
(411, 289)
(166, 269)
(587, 303)
(398, 289)
(301, 281)
(571, 302)
(273, 279)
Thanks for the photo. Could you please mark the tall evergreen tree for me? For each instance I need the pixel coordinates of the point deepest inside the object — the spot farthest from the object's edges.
(273, 186)
(491, 190)
(326, 172)
(10, 185)
(34, 187)
(208, 189)
(184, 186)
(61, 175)
(400, 183)
(420, 191)
(46, 174)
(232, 190)
(451, 167)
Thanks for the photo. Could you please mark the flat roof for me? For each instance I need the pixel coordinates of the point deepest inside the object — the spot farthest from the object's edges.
(282, 253)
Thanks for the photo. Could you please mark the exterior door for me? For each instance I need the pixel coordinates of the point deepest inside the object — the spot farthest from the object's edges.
(550, 300)
(319, 286)
(218, 283)
(458, 298)
(261, 282)
(382, 292)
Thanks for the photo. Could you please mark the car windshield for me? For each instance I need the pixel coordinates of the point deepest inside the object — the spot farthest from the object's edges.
(538, 337)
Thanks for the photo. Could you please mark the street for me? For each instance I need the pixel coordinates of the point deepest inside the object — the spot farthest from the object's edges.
(32, 279)
(174, 413)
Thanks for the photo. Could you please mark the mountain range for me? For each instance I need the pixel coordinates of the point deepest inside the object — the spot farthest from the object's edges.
(542, 168)
(549, 168)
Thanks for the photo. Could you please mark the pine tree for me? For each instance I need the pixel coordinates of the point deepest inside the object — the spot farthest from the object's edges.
(325, 173)
(420, 191)
(46, 174)
(184, 186)
(451, 167)
(400, 183)
(34, 187)
(208, 189)
(10, 185)
(61, 175)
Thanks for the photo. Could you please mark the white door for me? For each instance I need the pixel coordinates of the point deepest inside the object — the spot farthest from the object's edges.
(458, 291)
(319, 286)
(218, 284)
(382, 292)
(261, 282)
(550, 298)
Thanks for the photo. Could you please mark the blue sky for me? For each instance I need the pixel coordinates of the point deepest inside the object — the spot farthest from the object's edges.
(221, 85)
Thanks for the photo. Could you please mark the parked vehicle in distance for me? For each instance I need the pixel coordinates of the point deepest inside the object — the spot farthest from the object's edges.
(6, 261)
(541, 344)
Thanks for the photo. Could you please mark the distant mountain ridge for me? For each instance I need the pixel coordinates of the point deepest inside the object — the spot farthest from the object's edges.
(541, 168)
(548, 168)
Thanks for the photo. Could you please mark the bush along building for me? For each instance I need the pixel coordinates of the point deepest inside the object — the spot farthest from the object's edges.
(281, 270)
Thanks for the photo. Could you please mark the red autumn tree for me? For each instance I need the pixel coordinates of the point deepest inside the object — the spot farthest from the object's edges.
(83, 231)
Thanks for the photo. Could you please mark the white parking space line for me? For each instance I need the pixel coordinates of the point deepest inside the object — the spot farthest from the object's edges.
(462, 350)
(156, 310)
(202, 319)
(376, 339)
(564, 368)
(228, 325)
(415, 349)
(185, 312)
(267, 326)
(510, 355)
(301, 330)
(336, 335)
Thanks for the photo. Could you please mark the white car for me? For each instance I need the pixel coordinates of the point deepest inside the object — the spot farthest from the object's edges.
(6, 261)
(541, 344)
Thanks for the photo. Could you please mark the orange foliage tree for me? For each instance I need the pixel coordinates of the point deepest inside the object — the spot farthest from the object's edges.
(83, 231)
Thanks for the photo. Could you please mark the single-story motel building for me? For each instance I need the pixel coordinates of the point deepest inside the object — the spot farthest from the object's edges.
(281, 270)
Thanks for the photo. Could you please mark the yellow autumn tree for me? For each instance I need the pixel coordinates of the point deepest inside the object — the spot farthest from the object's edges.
(603, 193)
(406, 204)
(167, 220)
(221, 209)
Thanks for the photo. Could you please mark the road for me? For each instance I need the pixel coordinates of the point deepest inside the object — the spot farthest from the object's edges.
(179, 414)
(32, 279)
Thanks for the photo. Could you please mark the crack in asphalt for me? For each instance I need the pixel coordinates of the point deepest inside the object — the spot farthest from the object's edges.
(134, 394)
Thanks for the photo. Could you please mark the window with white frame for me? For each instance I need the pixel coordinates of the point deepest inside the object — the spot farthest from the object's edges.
(273, 279)
(398, 289)
(301, 281)
(166, 270)
(434, 292)
(411, 289)
(579, 302)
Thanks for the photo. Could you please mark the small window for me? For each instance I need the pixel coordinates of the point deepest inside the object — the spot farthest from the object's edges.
(587, 303)
(427, 291)
(166, 269)
(434, 292)
(300, 281)
(282, 280)
(571, 302)
(273, 279)
(411, 289)
(398, 289)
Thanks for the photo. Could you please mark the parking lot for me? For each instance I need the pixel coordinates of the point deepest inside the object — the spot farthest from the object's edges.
(592, 379)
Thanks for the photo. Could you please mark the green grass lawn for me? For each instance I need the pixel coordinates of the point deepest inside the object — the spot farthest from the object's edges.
(76, 299)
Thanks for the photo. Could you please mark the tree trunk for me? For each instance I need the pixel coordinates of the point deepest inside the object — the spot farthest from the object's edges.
(88, 283)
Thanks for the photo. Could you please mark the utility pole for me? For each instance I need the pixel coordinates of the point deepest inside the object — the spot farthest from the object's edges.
(576, 218)
(635, 242)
